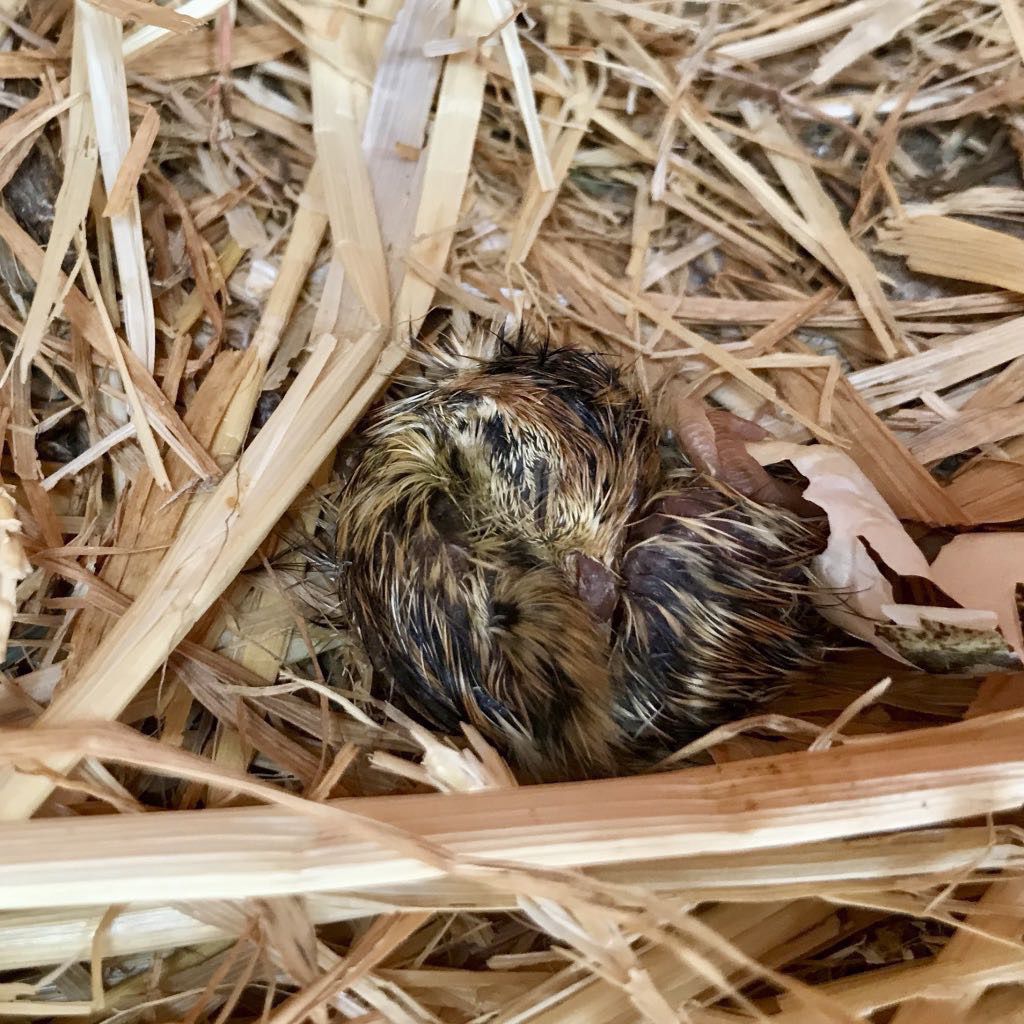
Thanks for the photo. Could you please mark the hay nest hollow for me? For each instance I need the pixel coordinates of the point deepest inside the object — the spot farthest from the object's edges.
(222, 224)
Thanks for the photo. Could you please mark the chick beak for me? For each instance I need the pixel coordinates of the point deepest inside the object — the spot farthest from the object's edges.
(596, 585)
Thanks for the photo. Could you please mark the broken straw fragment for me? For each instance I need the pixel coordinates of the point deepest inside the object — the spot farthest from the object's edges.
(14, 566)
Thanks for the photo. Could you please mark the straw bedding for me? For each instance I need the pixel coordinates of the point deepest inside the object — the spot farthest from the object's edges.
(222, 225)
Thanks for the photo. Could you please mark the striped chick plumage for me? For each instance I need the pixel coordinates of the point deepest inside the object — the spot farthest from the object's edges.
(516, 556)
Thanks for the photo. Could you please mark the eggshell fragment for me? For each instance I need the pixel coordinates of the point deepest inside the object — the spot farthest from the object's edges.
(978, 571)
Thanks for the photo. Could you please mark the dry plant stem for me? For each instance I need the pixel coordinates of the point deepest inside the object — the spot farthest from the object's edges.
(1015, 22)
(804, 32)
(142, 428)
(1000, 911)
(505, 14)
(946, 364)
(149, 520)
(591, 277)
(910, 490)
(915, 860)
(145, 35)
(339, 111)
(211, 547)
(990, 492)
(971, 429)
(953, 248)
(385, 933)
(70, 208)
(822, 215)
(910, 780)
(13, 566)
(937, 981)
(448, 158)
(837, 313)
(108, 90)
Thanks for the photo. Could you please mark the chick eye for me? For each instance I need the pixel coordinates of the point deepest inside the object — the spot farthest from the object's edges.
(447, 518)
(504, 615)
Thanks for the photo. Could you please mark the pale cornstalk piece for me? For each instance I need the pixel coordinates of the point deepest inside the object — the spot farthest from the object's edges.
(506, 15)
(307, 233)
(976, 201)
(19, 127)
(246, 228)
(402, 70)
(446, 170)
(749, 177)
(908, 488)
(71, 208)
(119, 200)
(867, 34)
(871, 864)
(138, 413)
(990, 492)
(90, 455)
(177, 58)
(148, 14)
(373, 946)
(1000, 915)
(101, 40)
(83, 315)
(944, 365)
(937, 979)
(679, 973)
(339, 112)
(739, 229)
(14, 566)
(886, 783)
(196, 569)
(970, 429)
(148, 522)
(13, 9)
(839, 312)
(804, 33)
(538, 201)
(1015, 22)
(599, 940)
(146, 35)
(957, 249)
(592, 276)
(557, 21)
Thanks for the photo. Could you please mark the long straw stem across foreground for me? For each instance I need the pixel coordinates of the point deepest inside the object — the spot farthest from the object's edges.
(913, 780)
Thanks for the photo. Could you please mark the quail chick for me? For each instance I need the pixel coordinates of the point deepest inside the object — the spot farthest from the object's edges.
(517, 556)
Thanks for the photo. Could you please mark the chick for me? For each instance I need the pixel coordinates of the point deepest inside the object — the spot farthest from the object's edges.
(481, 511)
(517, 556)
